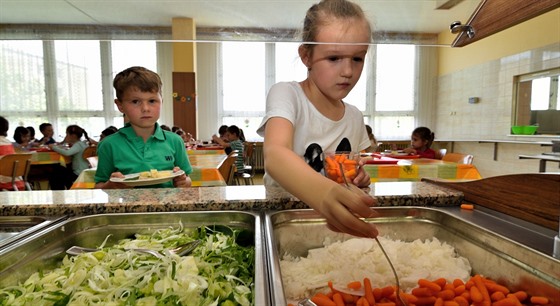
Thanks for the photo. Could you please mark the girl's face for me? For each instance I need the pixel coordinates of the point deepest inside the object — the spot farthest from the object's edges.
(141, 108)
(417, 142)
(336, 68)
(231, 136)
(25, 138)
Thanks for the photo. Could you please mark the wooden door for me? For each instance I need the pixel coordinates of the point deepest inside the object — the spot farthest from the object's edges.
(184, 101)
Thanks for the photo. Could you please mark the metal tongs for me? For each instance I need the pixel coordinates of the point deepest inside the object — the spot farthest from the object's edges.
(181, 250)
(400, 299)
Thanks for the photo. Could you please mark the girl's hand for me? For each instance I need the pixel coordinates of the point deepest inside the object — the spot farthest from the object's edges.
(362, 179)
(410, 151)
(343, 206)
(181, 181)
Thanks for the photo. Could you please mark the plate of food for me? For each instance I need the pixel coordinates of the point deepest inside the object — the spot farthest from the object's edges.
(152, 177)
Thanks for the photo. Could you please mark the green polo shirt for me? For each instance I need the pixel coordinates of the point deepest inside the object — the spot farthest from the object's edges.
(127, 153)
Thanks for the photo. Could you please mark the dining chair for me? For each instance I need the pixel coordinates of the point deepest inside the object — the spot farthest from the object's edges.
(440, 153)
(227, 168)
(459, 158)
(249, 168)
(89, 152)
(17, 167)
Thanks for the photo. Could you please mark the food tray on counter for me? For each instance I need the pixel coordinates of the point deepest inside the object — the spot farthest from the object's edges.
(46, 249)
(13, 228)
(512, 264)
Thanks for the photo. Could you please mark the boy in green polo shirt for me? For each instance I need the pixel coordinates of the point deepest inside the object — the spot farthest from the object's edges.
(141, 145)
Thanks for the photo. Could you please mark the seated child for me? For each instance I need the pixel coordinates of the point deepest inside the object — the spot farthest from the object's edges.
(420, 143)
(141, 145)
(63, 177)
(22, 137)
(6, 148)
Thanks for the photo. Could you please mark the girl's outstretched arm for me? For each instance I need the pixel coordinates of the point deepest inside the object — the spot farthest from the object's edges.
(341, 206)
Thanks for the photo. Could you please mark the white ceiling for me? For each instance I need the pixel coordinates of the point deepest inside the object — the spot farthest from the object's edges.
(386, 15)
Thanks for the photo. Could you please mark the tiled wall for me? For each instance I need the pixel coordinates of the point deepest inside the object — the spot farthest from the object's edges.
(492, 83)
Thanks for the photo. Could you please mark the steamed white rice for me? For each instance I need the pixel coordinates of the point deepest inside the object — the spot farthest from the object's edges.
(357, 258)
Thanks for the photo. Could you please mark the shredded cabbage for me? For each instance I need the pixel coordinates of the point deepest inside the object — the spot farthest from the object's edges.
(218, 272)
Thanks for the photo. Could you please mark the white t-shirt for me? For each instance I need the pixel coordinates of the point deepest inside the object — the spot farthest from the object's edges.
(313, 132)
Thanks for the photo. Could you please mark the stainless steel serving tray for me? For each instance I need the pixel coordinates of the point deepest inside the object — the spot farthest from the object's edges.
(13, 228)
(495, 256)
(46, 248)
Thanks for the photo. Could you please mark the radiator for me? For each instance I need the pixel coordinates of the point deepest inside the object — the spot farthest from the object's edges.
(259, 157)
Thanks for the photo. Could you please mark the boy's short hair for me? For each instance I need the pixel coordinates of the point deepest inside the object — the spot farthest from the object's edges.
(143, 79)
(43, 126)
(4, 126)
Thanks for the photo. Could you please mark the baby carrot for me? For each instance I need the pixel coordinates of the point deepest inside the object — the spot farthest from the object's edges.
(446, 294)
(425, 300)
(337, 299)
(494, 287)
(539, 300)
(520, 295)
(385, 304)
(366, 303)
(507, 302)
(421, 291)
(441, 282)
(439, 302)
(387, 291)
(480, 285)
(360, 302)
(322, 300)
(461, 301)
(348, 298)
(377, 294)
(368, 291)
(459, 289)
(467, 206)
(450, 303)
(409, 297)
(428, 284)
(458, 282)
(497, 295)
(354, 285)
(476, 295)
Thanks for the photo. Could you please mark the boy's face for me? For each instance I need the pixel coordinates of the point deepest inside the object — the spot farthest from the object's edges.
(141, 108)
(48, 131)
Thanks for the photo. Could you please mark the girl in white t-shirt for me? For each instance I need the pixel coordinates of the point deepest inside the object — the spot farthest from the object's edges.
(307, 118)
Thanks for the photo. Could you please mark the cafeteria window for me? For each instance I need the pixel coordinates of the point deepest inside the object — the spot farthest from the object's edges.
(66, 82)
(386, 92)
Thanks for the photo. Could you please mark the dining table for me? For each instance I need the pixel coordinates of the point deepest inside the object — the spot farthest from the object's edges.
(414, 169)
(205, 172)
(213, 151)
(43, 162)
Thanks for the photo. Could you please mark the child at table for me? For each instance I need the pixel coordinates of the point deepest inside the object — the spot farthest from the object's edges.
(22, 138)
(6, 148)
(141, 145)
(47, 130)
(234, 144)
(304, 119)
(63, 177)
(420, 142)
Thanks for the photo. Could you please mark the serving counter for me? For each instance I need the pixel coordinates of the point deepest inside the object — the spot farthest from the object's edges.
(530, 242)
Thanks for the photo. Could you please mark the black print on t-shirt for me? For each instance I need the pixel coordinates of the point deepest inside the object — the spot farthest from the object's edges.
(313, 154)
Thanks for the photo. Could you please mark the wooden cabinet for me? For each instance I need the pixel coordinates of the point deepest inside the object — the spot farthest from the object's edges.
(493, 16)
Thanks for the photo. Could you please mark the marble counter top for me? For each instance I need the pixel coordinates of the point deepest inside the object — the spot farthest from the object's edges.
(248, 198)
